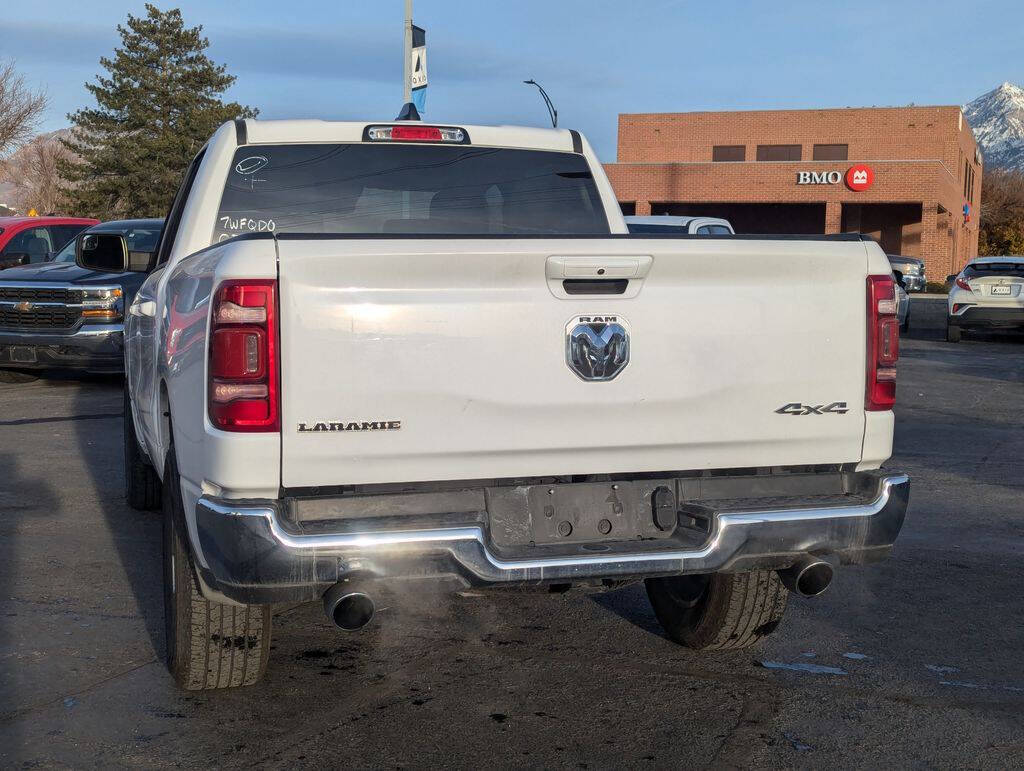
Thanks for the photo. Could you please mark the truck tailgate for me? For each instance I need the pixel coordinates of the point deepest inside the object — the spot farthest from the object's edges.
(409, 360)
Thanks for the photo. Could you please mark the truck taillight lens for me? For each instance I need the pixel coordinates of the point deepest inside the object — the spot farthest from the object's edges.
(883, 343)
(416, 134)
(243, 385)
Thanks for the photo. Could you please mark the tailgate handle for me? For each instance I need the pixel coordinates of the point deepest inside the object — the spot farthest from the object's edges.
(595, 285)
(597, 266)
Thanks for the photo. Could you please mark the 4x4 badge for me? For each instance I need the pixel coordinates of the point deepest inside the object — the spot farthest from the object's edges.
(795, 408)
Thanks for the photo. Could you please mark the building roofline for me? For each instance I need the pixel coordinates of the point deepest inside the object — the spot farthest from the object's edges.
(796, 110)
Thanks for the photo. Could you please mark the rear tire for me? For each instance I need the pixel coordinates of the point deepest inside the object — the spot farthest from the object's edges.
(952, 333)
(210, 645)
(16, 376)
(141, 483)
(721, 611)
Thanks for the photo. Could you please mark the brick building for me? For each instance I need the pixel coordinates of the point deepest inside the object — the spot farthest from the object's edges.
(901, 174)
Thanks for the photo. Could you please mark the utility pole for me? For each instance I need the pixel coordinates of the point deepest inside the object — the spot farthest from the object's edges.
(407, 86)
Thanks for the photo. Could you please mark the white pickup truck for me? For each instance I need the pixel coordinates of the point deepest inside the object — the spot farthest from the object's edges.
(393, 352)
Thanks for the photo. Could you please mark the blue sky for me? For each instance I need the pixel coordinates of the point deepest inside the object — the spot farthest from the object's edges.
(341, 59)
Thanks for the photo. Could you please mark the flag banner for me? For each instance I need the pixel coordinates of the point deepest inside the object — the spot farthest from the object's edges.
(418, 68)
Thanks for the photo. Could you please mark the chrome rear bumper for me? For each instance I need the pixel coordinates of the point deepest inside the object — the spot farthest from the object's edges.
(250, 554)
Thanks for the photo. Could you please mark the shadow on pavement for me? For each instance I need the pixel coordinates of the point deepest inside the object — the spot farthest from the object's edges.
(136, 534)
(23, 497)
(631, 604)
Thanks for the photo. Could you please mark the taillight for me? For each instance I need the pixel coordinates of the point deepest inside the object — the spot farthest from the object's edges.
(243, 391)
(883, 343)
(962, 283)
(407, 133)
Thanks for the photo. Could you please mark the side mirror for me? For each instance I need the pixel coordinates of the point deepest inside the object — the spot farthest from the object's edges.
(103, 252)
(951, 278)
(898, 275)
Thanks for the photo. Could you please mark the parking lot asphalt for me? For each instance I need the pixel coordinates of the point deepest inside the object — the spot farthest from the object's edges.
(913, 662)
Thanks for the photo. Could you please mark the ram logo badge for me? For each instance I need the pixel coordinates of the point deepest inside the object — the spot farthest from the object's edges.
(795, 408)
(340, 425)
(596, 347)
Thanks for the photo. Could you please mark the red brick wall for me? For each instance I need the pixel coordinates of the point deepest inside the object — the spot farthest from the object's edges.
(917, 154)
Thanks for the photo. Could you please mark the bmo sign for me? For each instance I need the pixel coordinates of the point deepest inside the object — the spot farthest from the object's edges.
(858, 178)
(818, 177)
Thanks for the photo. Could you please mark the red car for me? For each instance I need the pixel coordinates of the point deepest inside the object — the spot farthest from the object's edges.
(25, 240)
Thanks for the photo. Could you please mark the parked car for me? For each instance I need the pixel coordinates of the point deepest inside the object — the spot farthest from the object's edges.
(57, 315)
(413, 362)
(699, 226)
(987, 294)
(25, 240)
(902, 302)
(912, 269)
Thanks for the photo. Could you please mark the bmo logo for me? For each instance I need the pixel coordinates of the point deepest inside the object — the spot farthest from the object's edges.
(858, 178)
(818, 177)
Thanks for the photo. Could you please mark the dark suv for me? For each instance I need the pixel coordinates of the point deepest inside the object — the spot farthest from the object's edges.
(56, 315)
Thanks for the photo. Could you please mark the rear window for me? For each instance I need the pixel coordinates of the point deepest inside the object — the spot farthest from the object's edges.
(983, 269)
(672, 230)
(365, 189)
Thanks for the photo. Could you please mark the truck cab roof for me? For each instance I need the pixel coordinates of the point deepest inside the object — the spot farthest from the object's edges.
(252, 131)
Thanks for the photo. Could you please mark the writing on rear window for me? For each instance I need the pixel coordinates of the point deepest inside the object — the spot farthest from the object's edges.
(366, 189)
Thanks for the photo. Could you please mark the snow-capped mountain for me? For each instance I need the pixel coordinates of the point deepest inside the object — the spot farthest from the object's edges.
(998, 122)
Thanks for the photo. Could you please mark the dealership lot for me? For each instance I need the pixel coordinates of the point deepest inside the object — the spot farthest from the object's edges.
(915, 660)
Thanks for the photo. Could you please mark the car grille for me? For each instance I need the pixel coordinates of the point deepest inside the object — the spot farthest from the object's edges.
(39, 315)
(40, 294)
(54, 318)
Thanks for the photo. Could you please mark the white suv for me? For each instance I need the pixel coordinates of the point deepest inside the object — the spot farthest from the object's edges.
(987, 293)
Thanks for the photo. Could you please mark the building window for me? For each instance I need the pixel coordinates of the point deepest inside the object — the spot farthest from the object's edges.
(778, 152)
(831, 152)
(968, 181)
(725, 153)
(628, 208)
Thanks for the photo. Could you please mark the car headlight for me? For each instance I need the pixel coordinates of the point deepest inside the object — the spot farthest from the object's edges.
(102, 303)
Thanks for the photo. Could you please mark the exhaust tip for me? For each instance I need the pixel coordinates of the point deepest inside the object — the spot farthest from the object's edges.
(808, 578)
(349, 610)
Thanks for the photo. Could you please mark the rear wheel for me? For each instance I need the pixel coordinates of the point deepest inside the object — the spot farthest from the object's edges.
(141, 483)
(721, 611)
(952, 333)
(16, 376)
(210, 645)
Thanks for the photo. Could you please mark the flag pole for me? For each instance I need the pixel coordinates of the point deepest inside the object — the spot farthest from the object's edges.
(407, 92)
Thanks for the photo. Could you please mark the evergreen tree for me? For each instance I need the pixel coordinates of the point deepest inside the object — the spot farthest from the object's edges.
(159, 103)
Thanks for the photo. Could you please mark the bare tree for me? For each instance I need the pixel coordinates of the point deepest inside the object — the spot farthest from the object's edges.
(1002, 212)
(33, 170)
(20, 108)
